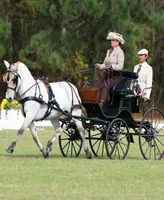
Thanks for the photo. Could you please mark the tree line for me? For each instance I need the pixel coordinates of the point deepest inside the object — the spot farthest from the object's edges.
(57, 37)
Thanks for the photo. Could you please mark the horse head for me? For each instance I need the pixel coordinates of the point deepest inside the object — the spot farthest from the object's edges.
(12, 79)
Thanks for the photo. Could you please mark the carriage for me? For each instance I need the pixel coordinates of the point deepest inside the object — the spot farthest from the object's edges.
(109, 129)
(112, 128)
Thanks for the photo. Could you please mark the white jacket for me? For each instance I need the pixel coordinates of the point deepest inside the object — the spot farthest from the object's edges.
(116, 59)
(145, 78)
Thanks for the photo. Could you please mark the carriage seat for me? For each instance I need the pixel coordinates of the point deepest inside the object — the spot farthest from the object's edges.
(125, 85)
(128, 74)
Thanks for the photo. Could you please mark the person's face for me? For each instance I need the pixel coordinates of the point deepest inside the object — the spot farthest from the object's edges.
(142, 58)
(114, 43)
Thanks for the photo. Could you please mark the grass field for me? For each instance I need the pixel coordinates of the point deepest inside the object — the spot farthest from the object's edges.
(26, 175)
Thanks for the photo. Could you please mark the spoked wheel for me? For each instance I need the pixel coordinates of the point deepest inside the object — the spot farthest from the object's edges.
(97, 141)
(117, 139)
(70, 142)
(151, 135)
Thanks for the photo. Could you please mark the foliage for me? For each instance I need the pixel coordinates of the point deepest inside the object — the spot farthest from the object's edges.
(47, 34)
(77, 63)
(5, 104)
(4, 36)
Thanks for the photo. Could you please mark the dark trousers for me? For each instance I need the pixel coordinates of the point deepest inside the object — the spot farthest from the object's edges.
(106, 82)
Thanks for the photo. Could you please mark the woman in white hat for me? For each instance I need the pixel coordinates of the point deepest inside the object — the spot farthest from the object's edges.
(111, 67)
(145, 74)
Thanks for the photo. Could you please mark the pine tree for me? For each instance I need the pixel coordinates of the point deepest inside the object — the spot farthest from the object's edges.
(53, 36)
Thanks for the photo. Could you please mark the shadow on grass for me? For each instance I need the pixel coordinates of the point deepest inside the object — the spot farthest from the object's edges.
(134, 158)
(53, 156)
(21, 156)
(39, 156)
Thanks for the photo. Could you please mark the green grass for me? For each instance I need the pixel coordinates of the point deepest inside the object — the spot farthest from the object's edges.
(26, 175)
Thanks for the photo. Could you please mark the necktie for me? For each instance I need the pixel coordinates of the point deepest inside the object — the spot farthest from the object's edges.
(110, 51)
(139, 69)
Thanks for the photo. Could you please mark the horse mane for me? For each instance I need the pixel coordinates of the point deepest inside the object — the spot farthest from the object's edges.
(23, 68)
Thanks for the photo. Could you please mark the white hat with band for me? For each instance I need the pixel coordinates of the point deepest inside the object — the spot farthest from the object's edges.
(115, 36)
(143, 52)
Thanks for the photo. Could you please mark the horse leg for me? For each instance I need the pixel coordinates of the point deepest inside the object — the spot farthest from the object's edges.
(35, 137)
(82, 134)
(58, 132)
(29, 118)
(10, 149)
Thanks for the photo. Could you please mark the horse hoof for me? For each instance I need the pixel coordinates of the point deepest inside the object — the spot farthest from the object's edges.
(46, 154)
(49, 149)
(89, 155)
(10, 150)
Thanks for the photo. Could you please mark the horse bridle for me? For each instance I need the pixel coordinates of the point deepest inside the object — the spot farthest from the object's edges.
(15, 79)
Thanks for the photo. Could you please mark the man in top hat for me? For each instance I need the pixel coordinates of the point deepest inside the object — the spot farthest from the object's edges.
(145, 74)
(111, 67)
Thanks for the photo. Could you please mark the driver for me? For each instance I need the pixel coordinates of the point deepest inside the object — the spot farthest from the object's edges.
(114, 60)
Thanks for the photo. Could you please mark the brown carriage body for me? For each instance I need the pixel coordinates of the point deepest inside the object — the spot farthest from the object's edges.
(88, 95)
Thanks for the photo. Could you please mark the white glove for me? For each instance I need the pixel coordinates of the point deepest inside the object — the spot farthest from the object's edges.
(100, 66)
(97, 65)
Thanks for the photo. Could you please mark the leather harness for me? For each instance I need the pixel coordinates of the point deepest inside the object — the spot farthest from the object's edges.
(51, 102)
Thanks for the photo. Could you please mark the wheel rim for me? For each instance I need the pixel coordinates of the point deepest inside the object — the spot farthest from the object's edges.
(70, 142)
(97, 141)
(151, 135)
(117, 139)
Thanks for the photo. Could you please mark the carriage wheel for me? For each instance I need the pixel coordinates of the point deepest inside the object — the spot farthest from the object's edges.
(151, 135)
(70, 142)
(117, 139)
(97, 141)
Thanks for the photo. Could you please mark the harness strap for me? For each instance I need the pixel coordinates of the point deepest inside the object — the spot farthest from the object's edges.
(77, 106)
(27, 90)
(51, 103)
(50, 107)
(11, 88)
(51, 95)
(39, 100)
(74, 105)
(31, 98)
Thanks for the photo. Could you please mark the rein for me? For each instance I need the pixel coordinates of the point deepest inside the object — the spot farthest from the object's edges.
(52, 104)
(74, 92)
(72, 73)
(27, 90)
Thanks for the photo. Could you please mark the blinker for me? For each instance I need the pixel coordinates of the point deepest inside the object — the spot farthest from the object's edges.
(4, 78)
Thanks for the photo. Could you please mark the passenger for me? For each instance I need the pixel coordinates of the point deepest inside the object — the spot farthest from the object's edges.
(111, 67)
(145, 74)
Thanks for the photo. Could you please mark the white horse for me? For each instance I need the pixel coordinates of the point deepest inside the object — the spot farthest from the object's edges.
(34, 98)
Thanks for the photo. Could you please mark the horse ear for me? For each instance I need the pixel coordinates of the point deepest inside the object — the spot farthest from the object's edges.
(6, 64)
(16, 64)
